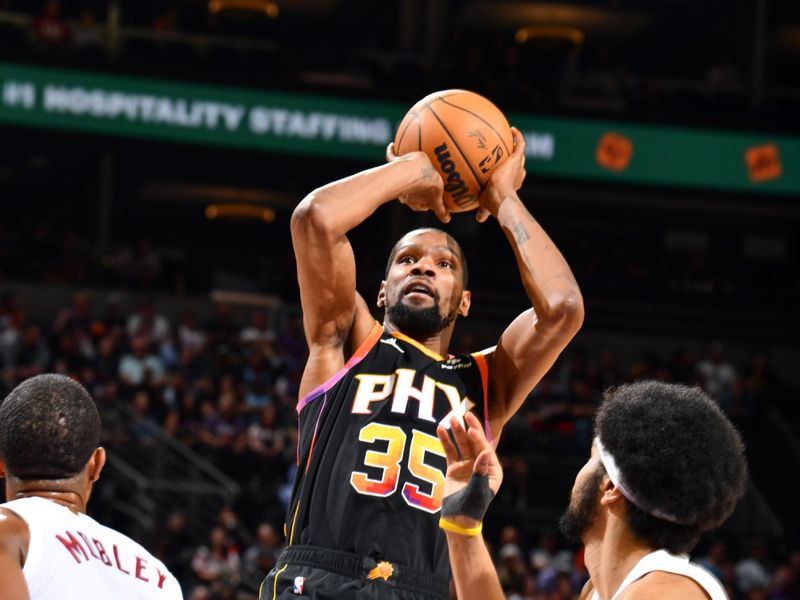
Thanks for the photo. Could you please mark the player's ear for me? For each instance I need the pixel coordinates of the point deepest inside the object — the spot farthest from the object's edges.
(96, 463)
(609, 493)
(466, 300)
(381, 303)
(2, 469)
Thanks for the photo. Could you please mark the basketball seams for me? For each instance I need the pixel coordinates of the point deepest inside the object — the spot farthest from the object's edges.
(413, 118)
(458, 147)
(477, 116)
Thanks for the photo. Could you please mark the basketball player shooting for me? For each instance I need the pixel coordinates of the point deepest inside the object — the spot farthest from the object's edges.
(364, 517)
(49, 548)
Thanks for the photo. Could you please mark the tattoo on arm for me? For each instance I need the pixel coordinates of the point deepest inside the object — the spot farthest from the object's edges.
(428, 173)
(520, 234)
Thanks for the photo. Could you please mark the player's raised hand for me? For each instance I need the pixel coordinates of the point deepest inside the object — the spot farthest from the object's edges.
(426, 191)
(505, 180)
(474, 454)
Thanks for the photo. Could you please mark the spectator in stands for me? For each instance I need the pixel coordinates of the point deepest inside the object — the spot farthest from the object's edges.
(189, 334)
(78, 316)
(719, 377)
(258, 332)
(753, 572)
(260, 557)
(267, 441)
(715, 559)
(108, 355)
(511, 570)
(49, 27)
(31, 356)
(140, 366)
(257, 378)
(113, 317)
(222, 331)
(146, 321)
(236, 532)
(216, 564)
(292, 340)
(175, 547)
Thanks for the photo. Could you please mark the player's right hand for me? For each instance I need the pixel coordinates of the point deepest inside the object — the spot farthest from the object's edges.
(427, 188)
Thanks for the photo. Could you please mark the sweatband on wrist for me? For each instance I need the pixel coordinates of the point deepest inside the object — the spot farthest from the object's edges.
(470, 501)
(468, 531)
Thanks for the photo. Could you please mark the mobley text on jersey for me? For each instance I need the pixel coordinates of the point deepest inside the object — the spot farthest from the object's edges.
(131, 565)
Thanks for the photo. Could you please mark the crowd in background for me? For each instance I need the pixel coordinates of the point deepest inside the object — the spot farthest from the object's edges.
(590, 74)
(225, 386)
(227, 390)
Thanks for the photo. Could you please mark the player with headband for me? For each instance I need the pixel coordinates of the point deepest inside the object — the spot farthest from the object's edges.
(666, 466)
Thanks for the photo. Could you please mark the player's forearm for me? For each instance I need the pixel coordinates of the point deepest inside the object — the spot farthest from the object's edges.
(338, 207)
(546, 276)
(473, 571)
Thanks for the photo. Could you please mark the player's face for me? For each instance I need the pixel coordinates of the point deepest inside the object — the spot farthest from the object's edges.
(584, 500)
(424, 285)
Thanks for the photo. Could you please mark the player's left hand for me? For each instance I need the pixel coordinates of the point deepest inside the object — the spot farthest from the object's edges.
(505, 180)
(476, 455)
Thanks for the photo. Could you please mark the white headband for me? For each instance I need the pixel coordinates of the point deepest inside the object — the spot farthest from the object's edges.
(615, 475)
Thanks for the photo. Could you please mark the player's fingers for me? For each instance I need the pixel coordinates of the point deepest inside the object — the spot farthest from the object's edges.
(482, 215)
(481, 466)
(390, 155)
(464, 447)
(519, 142)
(440, 210)
(449, 450)
(477, 438)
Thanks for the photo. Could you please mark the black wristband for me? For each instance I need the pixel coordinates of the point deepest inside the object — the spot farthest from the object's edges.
(471, 501)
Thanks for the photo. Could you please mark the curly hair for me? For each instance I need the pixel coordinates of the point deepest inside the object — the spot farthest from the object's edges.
(678, 453)
(49, 427)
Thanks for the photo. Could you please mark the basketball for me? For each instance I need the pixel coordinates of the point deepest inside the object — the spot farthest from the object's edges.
(464, 135)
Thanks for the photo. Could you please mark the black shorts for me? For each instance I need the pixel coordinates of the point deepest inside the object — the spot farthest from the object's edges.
(322, 574)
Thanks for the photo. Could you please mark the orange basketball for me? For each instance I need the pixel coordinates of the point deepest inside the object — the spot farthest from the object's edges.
(464, 135)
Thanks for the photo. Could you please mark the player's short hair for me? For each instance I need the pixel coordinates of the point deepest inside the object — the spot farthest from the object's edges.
(461, 257)
(678, 453)
(49, 427)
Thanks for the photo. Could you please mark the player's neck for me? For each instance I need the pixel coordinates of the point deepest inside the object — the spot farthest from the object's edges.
(437, 343)
(610, 554)
(61, 492)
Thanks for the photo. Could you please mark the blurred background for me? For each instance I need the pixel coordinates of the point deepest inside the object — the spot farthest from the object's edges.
(151, 153)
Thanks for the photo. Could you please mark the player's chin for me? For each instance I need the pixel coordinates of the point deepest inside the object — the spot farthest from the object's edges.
(417, 300)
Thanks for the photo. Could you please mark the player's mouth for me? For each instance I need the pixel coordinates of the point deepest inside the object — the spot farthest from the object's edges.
(419, 288)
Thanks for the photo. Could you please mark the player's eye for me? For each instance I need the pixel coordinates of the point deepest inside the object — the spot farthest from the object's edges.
(446, 263)
(406, 260)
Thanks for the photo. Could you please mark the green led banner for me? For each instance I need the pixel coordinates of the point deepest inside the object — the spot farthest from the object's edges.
(571, 148)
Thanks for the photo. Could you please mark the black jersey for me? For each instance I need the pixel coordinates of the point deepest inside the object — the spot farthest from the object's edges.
(371, 470)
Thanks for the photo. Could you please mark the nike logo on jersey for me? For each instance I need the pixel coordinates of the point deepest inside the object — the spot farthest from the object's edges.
(393, 343)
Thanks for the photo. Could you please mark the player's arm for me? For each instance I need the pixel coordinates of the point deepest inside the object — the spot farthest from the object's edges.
(333, 312)
(473, 571)
(530, 345)
(13, 544)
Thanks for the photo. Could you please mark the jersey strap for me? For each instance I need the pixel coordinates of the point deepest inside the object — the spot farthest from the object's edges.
(358, 356)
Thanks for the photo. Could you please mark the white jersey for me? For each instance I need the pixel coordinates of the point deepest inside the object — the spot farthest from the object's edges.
(71, 556)
(661, 560)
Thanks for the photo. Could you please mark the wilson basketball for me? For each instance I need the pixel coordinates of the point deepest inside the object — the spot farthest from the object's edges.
(464, 135)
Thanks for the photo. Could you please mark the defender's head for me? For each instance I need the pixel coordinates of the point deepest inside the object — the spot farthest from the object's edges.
(424, 289)
(670, 455)
(50, 430)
